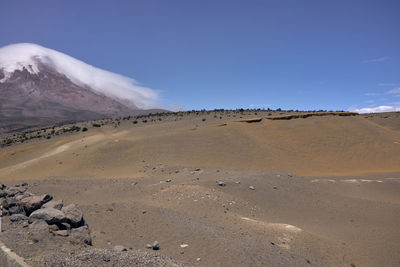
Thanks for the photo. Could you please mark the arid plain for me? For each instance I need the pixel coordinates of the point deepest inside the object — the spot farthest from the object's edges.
(239, 188)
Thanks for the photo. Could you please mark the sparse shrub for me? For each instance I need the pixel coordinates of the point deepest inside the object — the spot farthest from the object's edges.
(84, 129)
(204, 119)
(96, 125)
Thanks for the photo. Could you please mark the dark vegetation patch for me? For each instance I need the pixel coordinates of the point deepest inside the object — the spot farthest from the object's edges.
(153, 118)
(306, 115)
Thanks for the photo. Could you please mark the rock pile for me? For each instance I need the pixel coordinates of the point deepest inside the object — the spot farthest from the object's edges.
(43, 215)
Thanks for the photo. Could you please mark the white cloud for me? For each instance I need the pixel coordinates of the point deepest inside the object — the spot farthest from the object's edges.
(376, 109)
(374, 60)
(370, 94)
(394, 91)
(123, 89)
(389, 84)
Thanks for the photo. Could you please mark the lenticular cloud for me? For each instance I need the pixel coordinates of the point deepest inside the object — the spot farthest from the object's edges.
(123, 89)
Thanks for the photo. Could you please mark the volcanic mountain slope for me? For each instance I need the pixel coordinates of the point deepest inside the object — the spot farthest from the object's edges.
(41, 87)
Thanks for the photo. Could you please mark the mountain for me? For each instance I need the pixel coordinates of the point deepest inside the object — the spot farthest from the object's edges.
(41, 87)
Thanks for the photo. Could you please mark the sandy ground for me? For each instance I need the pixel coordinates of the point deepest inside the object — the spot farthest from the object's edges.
(326, 188)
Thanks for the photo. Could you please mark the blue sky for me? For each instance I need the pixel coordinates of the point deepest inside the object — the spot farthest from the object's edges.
(337, 55)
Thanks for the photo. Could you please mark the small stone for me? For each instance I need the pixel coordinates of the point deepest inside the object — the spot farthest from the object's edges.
(14, 191)
(168, 180)
(119, 248)
(149, 246)
(238, 182)
(221, 183)
(156, 245)
(198, 259)
(16, 210)
(24, 184)
(275, 187)
(197, 169)
(184, 245)
(290, 175)
(62, 232)
(252, 187)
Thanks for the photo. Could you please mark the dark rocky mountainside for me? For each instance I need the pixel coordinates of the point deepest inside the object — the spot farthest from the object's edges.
(37, 100)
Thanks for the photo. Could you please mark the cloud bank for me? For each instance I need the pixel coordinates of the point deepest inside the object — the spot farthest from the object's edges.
(376, 109)
(123, 89)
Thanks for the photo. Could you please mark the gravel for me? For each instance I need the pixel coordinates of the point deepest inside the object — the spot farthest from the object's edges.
(107, 257)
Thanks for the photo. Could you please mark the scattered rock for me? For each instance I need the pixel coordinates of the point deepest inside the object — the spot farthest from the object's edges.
(238, 182)
(55, 204)
(62, 232)
(18, 218)
(290, 175)
(73, 214)
(13, 191)
(3, 186)
(120, 248)
(50, 215)
(33, 203)
(252, 187)
(149, 246)
(275, 187)
(9, 202)
(156, 245)
(168, 180)
(221, 183)
(2, 193)
(198, 259)
(17, 209)
(24, 184)
(197, 169)
(184, 245)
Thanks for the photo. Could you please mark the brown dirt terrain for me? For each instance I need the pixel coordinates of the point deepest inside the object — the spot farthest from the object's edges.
(326, 187)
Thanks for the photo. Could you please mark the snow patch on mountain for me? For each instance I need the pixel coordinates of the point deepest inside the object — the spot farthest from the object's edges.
(123, 89)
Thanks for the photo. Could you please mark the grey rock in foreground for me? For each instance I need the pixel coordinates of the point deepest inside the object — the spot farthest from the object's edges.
(33, 203)
(73, 214)
(50, 215)
(81, 235)
(54, 204)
